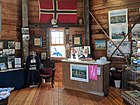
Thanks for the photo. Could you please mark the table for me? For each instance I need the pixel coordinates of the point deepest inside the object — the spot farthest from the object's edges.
(13, 78)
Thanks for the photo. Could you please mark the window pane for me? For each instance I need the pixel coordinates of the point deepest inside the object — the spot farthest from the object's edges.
(57, 41)
(53, 40)
(61, 41)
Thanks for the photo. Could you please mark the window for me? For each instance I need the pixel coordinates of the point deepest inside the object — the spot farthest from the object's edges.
(57, 43)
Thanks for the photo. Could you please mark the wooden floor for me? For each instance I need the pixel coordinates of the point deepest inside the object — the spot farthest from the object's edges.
(45, 95)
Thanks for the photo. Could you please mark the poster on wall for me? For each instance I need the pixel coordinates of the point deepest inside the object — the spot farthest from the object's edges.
(124, 47)
(118, 24)
(57, 51)
(79, 72)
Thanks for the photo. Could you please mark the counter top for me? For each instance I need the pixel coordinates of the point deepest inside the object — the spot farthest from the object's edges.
(85, 62)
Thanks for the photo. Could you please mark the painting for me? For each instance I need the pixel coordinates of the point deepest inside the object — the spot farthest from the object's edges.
(118, 24)
(124, 47)
(37, 41)
(136, 32)
(58, 51)
(100, 44)
(77, 40)
(11, 44)
(79, 72)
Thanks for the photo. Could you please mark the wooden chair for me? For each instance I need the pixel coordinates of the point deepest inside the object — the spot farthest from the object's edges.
(47, 72)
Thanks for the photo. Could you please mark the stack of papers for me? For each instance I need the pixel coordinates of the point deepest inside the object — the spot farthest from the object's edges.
(5, 92)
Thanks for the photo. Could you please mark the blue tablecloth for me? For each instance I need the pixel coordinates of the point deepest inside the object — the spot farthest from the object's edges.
(13, 78)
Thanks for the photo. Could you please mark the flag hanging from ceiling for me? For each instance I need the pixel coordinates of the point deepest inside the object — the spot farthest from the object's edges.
(64, 11)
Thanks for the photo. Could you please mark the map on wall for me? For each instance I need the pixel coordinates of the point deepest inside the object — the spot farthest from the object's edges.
(124, 47)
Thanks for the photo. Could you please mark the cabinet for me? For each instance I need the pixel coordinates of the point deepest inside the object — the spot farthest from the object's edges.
(131, 85)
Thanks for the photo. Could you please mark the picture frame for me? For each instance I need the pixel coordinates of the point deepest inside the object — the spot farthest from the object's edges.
(100, 44)
(11, 44)
(37, 41)
(77, 40)
(58, 51)
(79, 72)
(1, 44)
(118, 24)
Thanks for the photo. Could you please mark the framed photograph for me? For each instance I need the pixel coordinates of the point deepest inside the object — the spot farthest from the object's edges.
(37, 41)
(17, 45)
(11, 44)
(79, 72)
(1, 44)
(43, 55)
(77, 40)
(100, 44)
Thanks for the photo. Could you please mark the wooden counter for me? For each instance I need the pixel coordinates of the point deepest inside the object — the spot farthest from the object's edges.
(98, 87)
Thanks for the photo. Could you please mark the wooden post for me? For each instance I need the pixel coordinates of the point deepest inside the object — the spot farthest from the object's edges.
(25, 42)
(86, 22)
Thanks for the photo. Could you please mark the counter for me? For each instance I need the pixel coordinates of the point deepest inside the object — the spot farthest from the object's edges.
(100, 86)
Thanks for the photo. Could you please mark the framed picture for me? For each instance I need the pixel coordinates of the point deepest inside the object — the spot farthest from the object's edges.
(58, 51)
(77, 40)
(100, 44)
(17, 45)
(136, 32)
(11, 44)
(37, 41)
(118, 24)
(43, 55)
(1, 44)
(79, 72)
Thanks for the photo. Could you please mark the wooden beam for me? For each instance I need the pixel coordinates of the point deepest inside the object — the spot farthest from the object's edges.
(125, 36)
(86, 22)
(106, 33)
(25, 43)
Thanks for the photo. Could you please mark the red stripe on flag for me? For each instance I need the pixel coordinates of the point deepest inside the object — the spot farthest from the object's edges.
(46, 4)
(67, 18)
(67, 5)
(46, 18)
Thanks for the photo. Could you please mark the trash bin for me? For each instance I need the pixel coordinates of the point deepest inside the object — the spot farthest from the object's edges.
(117, 83)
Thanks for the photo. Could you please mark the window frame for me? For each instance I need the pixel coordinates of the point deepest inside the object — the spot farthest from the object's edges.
(64, 41)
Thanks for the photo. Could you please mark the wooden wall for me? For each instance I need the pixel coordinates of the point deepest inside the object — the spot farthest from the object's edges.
(11, 19)
(100, 8)
(38, 29)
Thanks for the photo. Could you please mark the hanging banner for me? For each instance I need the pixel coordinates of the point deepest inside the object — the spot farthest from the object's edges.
(92, 72)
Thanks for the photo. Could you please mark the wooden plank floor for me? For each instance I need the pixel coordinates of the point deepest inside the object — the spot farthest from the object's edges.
(45, 95)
